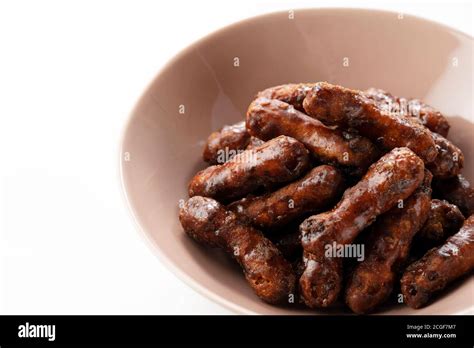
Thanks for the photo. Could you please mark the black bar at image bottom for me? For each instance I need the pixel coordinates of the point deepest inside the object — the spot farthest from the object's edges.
(260, 330)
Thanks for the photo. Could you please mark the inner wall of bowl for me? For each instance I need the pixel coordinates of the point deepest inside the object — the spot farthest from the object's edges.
(212, 82)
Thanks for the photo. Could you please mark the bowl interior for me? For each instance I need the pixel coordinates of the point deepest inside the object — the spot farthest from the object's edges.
(211, 83)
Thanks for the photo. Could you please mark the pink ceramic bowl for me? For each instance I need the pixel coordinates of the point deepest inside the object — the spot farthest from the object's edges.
(211, 83)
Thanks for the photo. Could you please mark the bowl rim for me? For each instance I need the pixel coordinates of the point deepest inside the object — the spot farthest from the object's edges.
(151, 244)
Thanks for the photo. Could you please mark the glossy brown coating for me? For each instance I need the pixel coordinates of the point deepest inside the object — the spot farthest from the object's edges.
(268, 118)
(315, 191)
(336, 105)
(443, 220)
(449, 161)
(228, 141)
(254, 142)
(439, 267)
(277, 161)
(321, 280)
(267, 272)
(458, 191)
(291, 93)
(430, 117)
(427, 115)
(395, 176)
(372, 281)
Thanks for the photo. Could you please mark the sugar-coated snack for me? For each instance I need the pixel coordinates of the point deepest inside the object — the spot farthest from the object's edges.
(279, 160)
(392, 178)
(372, 281)
(265, 269)
(348, 108)
(268, 118)
(315, 191)
(439, 267)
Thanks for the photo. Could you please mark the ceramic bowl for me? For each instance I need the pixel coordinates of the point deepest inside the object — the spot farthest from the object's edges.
(211, 83)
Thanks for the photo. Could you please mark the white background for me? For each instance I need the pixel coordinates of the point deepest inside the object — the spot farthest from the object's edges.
(70, 72)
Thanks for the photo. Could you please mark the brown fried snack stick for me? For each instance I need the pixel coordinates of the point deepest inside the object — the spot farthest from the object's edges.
(443, 220)
(458, 191)
(427, 115)
(372, 281)
(229, 140)
(347, 108)
(449, 161)
(316, 190)
(392, 178)
(439, 267)
(277, 161)
(267, 272)
(291, 93)
(254, 142)
(268, 118)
